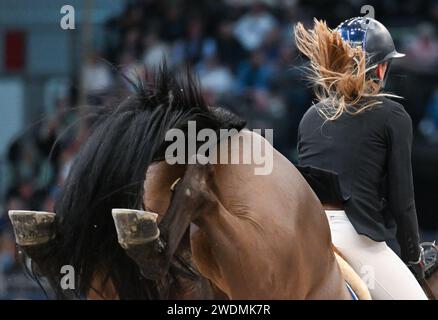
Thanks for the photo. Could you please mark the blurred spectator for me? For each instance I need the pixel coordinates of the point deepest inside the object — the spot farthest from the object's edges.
(131, 42)
(133, 16)
(173, 23)
(215, 78)
(434, 11)
(193, 45)
(272, 45)
(130, 68)
(229, 50)
(97, 77)
(254, 74)
(422, 52)
(155, 50)
(429, 125)
(252, 28)
(7, 260)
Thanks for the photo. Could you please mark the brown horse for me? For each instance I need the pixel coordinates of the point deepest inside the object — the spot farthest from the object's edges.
(251, 243)
(221, 231)
(249, 246)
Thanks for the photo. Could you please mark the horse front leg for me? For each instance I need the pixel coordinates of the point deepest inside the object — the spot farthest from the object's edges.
(153, 246)
(138, 234)
(35, 235)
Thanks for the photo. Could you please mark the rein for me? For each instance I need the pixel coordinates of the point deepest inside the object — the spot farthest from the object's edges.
(181, 266)
(431, 257)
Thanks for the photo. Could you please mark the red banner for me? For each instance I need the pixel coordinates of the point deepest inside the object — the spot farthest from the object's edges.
(15, 51)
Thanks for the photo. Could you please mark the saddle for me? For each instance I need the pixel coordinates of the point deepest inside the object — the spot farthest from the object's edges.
(354, 282)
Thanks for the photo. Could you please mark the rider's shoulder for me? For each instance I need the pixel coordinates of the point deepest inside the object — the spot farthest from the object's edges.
(389, 105)
(311, 113)
(394, 110)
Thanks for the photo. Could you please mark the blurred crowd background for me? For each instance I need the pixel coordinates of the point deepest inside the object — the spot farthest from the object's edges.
(242, 51)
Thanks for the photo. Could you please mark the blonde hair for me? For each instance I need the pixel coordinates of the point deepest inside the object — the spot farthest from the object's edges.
(337, 70)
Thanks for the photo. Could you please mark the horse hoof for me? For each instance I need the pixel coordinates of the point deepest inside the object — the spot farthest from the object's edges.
(135, 227)
(32, 227)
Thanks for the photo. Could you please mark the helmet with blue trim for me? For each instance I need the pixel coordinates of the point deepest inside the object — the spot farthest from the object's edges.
(373, 37)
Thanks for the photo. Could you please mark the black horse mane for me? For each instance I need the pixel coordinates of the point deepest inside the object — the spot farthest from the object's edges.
(109, 172)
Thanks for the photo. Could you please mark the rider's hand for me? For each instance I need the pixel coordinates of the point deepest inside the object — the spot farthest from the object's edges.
(417, 267)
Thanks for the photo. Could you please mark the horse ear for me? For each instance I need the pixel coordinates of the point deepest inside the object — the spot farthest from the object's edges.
(32, 228)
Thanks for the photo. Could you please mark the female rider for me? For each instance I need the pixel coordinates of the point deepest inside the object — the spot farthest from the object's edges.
(354, 147)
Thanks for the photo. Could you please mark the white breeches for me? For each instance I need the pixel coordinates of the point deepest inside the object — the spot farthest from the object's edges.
(385, 274)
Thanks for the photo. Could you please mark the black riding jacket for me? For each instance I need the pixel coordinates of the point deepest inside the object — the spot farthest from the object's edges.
(366, 162)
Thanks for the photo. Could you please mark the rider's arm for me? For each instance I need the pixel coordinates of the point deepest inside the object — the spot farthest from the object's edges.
(400, 186)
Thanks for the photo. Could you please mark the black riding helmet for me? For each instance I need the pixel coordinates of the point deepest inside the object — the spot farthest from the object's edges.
(373, 38)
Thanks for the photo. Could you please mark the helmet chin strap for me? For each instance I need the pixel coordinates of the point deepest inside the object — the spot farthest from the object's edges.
(385, 78)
